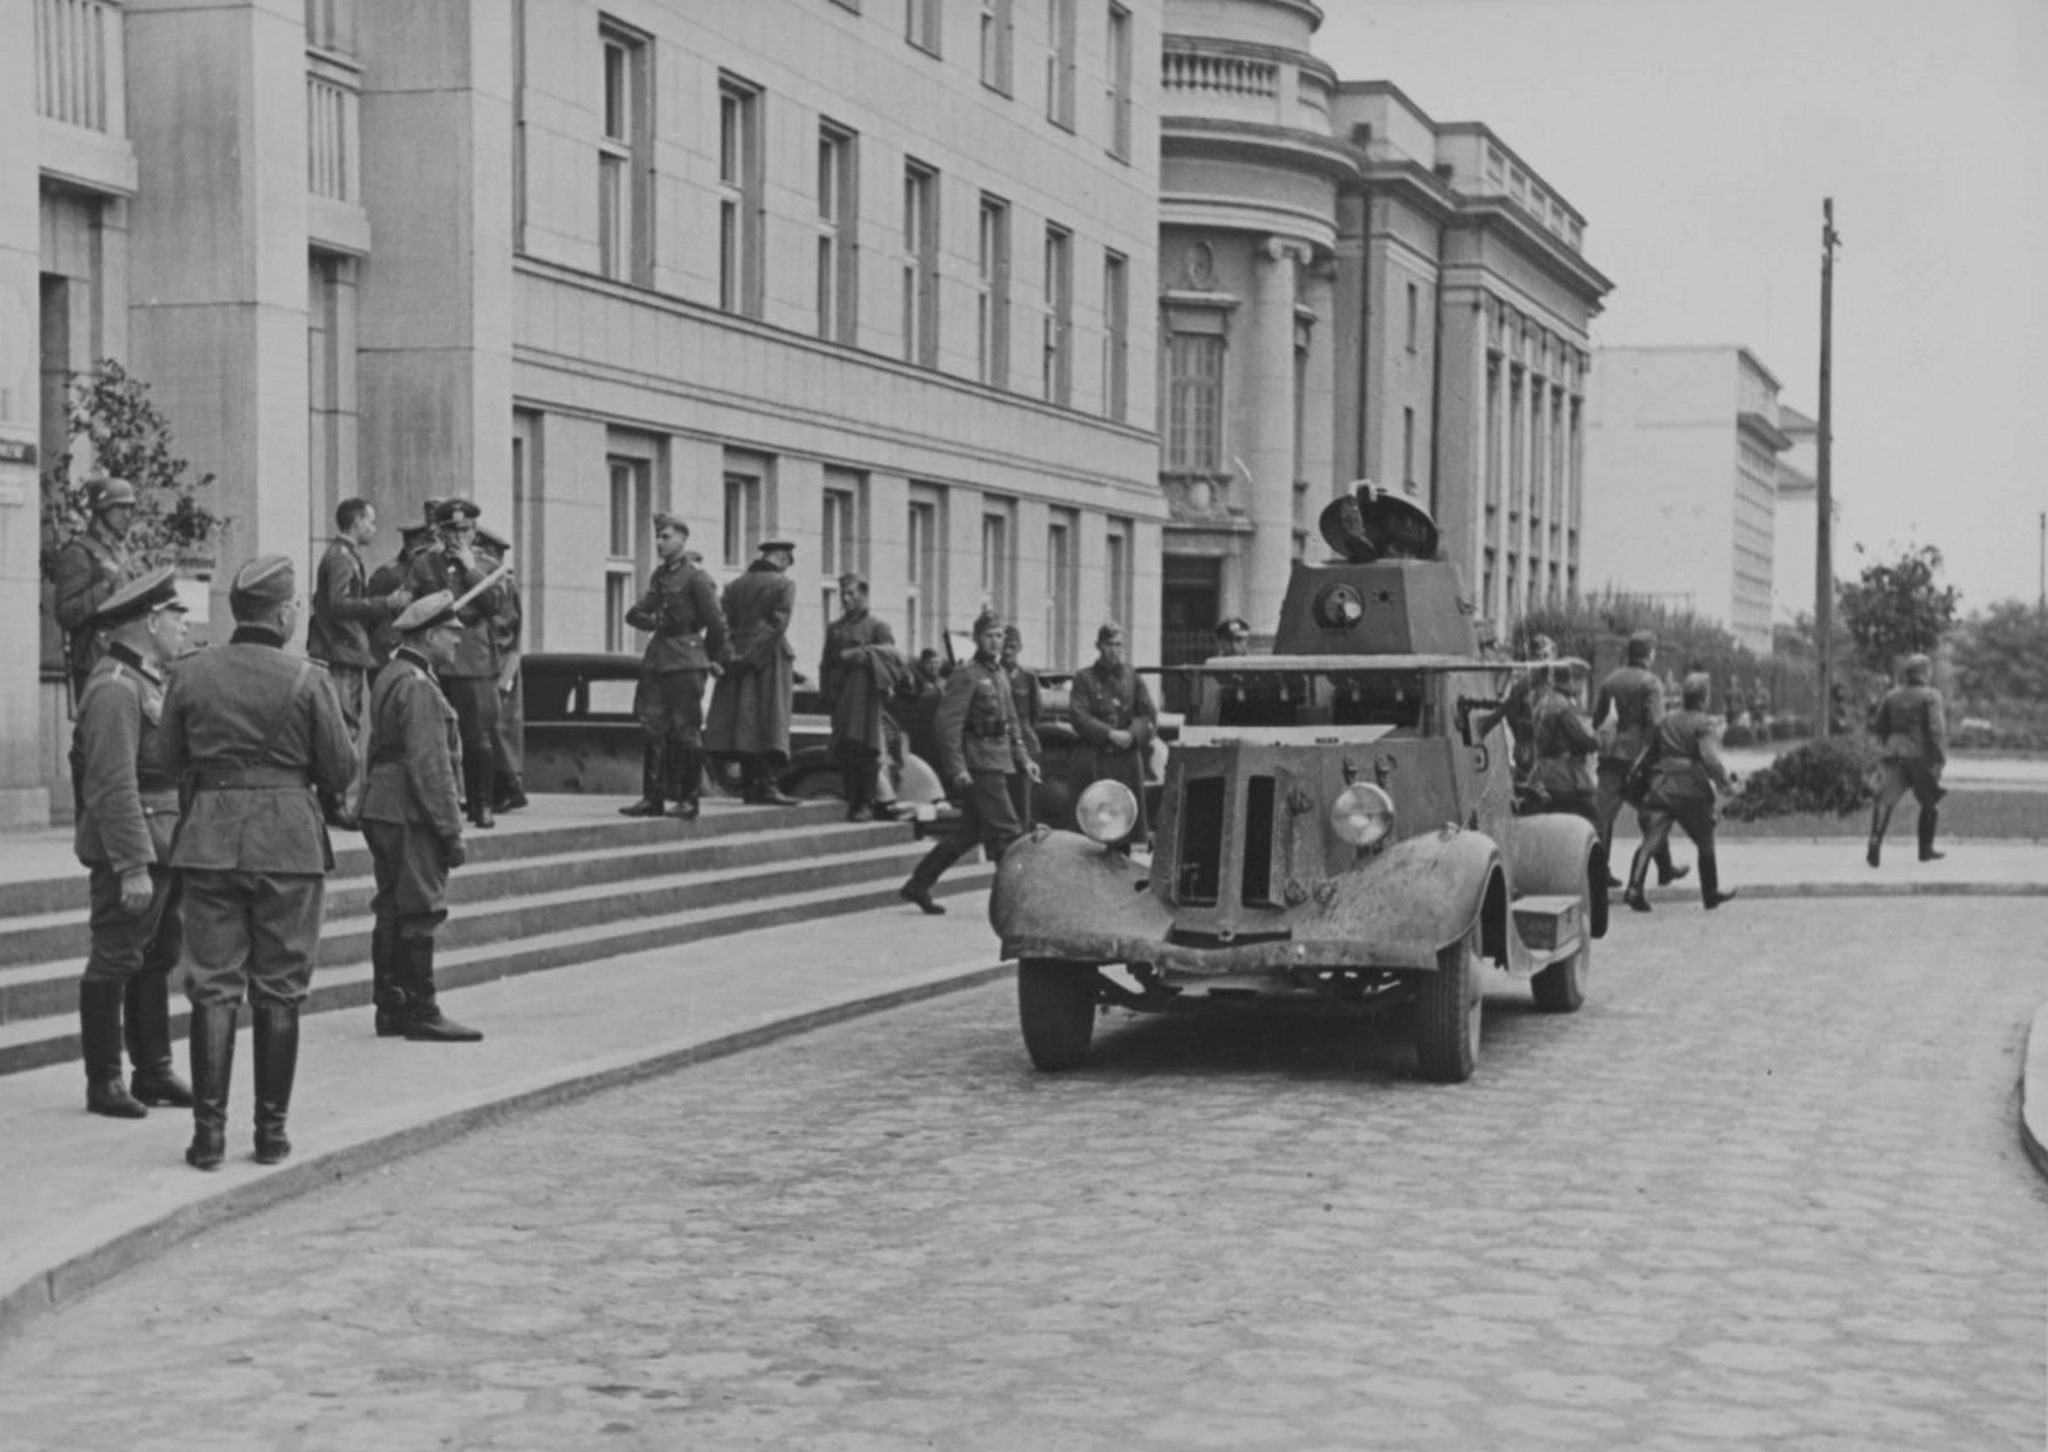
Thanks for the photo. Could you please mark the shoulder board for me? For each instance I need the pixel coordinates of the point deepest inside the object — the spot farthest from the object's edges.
(315, 661)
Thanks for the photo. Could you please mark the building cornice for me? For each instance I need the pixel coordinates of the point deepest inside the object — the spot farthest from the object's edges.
(1412, 182)
(1252, 50)
(1277, 146)
(1503, 214)
(1482, 129)
(1755, 426)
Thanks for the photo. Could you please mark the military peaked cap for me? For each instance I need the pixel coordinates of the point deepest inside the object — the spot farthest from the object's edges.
(986, 621)
(144, 595)
(425, 613)
(672, 521)
(450, 510)
(1110, 633)
(429, 507)
(1232, 626)
(777, 544)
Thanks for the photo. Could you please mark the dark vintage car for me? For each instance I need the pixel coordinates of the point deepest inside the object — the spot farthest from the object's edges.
(1337, 829)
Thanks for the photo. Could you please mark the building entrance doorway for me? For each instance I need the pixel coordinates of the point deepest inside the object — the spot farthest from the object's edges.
(1190, 605)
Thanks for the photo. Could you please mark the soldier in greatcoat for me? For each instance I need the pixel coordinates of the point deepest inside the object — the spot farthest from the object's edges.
(686, 643)
(1116, 721)
(457, 564)
(257, 737)
(127, 802)
(750, 705)
(413, 822)
(343, 615)
(1634, 696)
(980, 746)
(91, 566)
(1912, 735)
(859, 672)
(1029, 698)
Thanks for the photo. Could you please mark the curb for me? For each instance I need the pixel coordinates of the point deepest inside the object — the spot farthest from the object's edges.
(61, 1284)
(2033, 1073)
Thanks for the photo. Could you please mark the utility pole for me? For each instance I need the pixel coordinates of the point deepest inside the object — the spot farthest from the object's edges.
(2042, 606)
(1824, 499)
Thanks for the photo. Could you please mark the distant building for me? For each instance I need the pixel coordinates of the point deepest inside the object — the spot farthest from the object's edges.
(1682, 468)
(1796, 523)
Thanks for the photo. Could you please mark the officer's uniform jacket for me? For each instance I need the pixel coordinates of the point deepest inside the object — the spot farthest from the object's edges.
(680, 607)
(437, 568)
(89, 568)
(1688, 764)
(1910, 726)
(857, 691)
(977, 723)
(343, 611)
(415, 750)
(253, 732)
(1564, 742)
(1637, 699)
(127, 795)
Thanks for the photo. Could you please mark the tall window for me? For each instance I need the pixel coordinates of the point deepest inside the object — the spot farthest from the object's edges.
(624, 159)
(923, 609)
(1492, 434)
(1062, 604)
(1516, 436)
(742, 517)
(838, 233)
(920, 265)
(528, 489)
(1058, 380)
(331, 25)
(1119, 82)
(840, 550)
(992, 293)
(1116, 335)
(1121, 552)
(921, 24)
(999, 556)
(1059, 63)
(1194, 394)
(630, 514)
(998, 36)
(1408, 448)
(739, 196)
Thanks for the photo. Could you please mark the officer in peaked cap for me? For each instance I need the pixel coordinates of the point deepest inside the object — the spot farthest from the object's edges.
(90, 566)
(471, 679)
(1233, 636)
(750, 705)
(412, 819)
(127, 804)
(258, 737)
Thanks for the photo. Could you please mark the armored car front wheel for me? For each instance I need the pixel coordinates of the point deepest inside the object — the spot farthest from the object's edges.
(1447, 1013)
(1056, 1007)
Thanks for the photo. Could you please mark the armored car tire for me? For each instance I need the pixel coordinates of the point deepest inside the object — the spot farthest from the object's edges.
(1447, 1013)
(1056, 1007)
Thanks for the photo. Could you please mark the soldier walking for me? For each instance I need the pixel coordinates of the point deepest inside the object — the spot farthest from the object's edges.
(257, 736)
(1912, 735)
(1029, 699)
(1685, 773)
(338, 634)
(90, 567)
(979, 746)
(750, 705)
(472, 679)
(127, 802)
(1116, 721)
(1635, 695)
(857, 675)
(412, 820)
(688, 643)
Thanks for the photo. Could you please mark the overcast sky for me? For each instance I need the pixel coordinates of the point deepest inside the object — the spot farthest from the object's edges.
(1698, 137)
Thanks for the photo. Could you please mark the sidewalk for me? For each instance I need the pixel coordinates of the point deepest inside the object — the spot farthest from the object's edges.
(86, 1197)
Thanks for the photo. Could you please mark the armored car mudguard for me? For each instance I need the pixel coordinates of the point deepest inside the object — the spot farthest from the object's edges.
(1336, 828)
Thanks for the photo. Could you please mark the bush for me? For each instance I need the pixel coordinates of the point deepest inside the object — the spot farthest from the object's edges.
(1830, 776)
(1790, 728)
(1738, 735)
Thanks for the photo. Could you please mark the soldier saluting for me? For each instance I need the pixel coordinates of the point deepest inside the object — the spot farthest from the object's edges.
(255, 732)
(412, 820)
(127, 815)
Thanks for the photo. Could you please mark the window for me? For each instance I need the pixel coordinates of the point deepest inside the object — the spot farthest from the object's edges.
(331, 25)
(1194, 389)
(920, 265)
(999, 556)
(921, 24)
(998, 47)
(528, 489)
(1059, 64)
(838, 234)
(1058, 379)
(1121, 552)
(1414, 309)
(1062, 590)
(923, 609)
(1493, 433)
(626, 542)
(518, 122)
(840, 549)
(742, 517)
(992, 293)
(1408, 448)
(739, 196)
(330, 383)
(1116, 335)
(1119, 83)
(624, 160)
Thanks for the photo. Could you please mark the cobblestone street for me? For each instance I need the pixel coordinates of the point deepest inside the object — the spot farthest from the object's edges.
(1764, 1190)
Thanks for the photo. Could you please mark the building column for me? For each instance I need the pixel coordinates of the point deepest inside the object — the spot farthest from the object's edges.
(217, 116)
(1269, 451)
(1319, 441)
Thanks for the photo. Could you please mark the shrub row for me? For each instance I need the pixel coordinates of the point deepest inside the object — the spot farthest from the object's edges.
(1830, 776)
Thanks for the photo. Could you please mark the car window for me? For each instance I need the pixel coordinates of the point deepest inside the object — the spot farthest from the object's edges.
(548, 695)
(611, 697)
(1395, 700)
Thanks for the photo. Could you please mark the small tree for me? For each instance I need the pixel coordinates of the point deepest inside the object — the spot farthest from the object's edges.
(1897, 607)
(2002, 654)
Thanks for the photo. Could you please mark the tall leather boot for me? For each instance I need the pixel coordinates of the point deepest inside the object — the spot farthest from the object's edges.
(277, 1063)
(147, 999)
(1711, 895)
(766, 793)
(1880, 820)
(1638, 870)
(387, 991)
(212, 1043)
(1668, 871)
(1930, 818)
(651, 764)
(480, 767)
(424, 1021)
(99, 1037)
(686, 781)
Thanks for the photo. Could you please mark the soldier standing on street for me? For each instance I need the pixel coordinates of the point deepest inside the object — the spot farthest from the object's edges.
(1912, 734)
(344, 614)
(1686, 772)
(254, 732)
(680, 608)
(1636, 697)
(857, 675)
(127, 814)
(1029, 699)
(1116, 721)
(750, 705)
(472, 679)
(979, 746)
(91, 566)
(413, 822)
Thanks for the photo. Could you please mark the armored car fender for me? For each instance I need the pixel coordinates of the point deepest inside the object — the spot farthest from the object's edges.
(1557, 854)
(1059, 895)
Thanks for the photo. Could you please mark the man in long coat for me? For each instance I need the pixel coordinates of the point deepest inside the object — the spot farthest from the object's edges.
(1912, 735)
(751, 704)
(472, 680)
(258, 738)
(686, 643)
(90, 567)
(860, 671)
(1116, 721)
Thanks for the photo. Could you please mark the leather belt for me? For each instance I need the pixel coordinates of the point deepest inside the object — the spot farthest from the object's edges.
(248, 778)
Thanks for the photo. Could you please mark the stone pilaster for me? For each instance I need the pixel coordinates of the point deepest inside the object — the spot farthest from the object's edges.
(1269, 445)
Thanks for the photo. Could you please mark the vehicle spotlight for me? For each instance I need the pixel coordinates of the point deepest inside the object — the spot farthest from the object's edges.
(1362, 814)
(1107, 812)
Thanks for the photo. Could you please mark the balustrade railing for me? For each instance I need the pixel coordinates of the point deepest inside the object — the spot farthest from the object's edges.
(73, 43)
(1228, 75)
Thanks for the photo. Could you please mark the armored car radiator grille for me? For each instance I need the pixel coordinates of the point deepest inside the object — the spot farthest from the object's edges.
(1214, 849)
(1199, 871)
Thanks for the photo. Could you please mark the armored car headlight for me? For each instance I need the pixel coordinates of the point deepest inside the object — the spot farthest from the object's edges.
(1107, 811)
(1362, 814)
